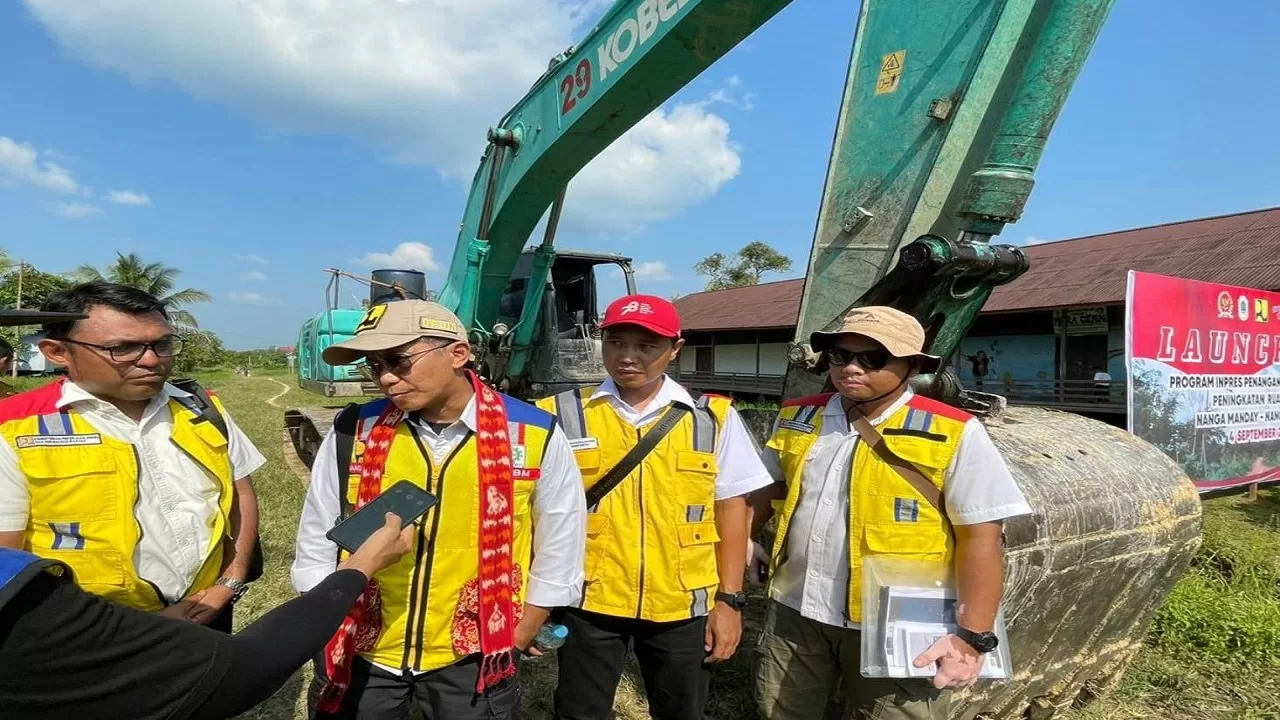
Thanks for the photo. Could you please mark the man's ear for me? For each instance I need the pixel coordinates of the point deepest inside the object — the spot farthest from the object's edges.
(676, 346)
(461, 353)
(55, 351)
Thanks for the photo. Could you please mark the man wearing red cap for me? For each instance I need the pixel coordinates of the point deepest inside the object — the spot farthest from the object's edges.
(667, 477)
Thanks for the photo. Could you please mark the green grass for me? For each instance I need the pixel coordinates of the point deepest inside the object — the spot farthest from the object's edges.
(1213, 652)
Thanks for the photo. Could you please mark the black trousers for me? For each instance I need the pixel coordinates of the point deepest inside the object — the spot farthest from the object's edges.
(445, 694)
(671, 655)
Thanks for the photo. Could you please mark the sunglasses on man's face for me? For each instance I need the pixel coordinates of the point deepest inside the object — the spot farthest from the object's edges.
(866, 359)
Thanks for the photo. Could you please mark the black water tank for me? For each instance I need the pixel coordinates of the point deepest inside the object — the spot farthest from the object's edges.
(414, 282)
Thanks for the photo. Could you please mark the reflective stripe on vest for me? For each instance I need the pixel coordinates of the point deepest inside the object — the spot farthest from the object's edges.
(651, 540)
(83, 486)
(887, 516)
(420, 593)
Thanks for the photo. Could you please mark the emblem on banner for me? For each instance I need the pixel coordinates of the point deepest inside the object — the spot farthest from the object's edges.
(1261, 310)
(1225, 306)
(1242, 308)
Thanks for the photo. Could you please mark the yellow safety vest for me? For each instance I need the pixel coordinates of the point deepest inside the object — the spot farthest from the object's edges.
(420, 593)
(84, 487)
(887, 516)
(651, 542)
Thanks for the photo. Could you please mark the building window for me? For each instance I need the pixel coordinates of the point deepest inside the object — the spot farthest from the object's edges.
(704, 360)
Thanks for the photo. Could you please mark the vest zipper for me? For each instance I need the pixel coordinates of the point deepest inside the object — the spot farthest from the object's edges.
(416, 578)
(419, 570)
(640, 495)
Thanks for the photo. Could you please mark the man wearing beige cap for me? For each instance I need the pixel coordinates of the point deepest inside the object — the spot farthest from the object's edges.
(838, 501)
(499, 468)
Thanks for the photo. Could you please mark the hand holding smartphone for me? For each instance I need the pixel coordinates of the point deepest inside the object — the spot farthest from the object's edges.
(406, 500)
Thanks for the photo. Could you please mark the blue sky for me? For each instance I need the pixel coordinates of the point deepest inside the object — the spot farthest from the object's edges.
(253, 144)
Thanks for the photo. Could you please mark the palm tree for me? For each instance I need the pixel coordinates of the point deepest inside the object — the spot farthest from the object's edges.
(155, 278)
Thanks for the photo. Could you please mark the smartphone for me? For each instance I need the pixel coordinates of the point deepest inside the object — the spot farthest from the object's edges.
(404, 498)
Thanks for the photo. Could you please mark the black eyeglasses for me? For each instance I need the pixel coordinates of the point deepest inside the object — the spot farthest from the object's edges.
(398, 365)
(133, 351)
(866, 359)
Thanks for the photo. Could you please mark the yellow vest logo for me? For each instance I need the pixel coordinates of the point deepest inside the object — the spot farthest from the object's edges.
(371, 318)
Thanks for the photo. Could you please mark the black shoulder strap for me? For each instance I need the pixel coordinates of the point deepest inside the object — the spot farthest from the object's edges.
(344, 429)
(629, 461)
(203, 405)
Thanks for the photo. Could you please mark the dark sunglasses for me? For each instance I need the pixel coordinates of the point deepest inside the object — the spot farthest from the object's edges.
(866, 359)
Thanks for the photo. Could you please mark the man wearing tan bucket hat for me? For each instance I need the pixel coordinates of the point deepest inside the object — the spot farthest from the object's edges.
(499, 468)
(874, 469)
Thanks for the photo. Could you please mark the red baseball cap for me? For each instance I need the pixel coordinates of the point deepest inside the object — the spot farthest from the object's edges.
(647, 311)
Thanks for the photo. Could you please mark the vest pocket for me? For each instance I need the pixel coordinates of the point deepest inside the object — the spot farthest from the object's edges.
(698, 555)
(589, 462)
(598, 538)
(96, 571)
(70, 485)
(522, 493)
(915, 540)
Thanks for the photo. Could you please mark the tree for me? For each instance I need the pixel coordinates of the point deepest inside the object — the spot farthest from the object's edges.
(201, 349)
(36, 288)
(155, 278)
(744, 268)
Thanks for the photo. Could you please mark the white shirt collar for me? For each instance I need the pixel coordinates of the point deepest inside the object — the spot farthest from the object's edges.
(671, 391)
(73, 393)
(836, 408)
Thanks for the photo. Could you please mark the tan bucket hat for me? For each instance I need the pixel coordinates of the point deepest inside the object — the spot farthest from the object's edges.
(393, 324)
(899, 333)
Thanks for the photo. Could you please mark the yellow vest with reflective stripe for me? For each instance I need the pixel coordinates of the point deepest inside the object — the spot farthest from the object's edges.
(84, 488)
(420, 593)
(651, 542)
(887, 516)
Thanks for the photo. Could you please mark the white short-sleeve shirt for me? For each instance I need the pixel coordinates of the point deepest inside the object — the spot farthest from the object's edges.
(814, 579)
(178, 498)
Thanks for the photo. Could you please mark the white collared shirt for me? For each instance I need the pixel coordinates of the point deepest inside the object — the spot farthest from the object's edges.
(814, 579)
(177, 497)
(559, 515)
(737, 456)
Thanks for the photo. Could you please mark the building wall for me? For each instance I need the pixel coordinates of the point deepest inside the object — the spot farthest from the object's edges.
(1026, 357)
(740, 358)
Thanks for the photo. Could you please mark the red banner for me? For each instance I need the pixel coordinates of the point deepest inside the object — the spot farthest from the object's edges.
(1204, 377)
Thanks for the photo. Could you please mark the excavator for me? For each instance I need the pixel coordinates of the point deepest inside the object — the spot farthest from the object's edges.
(946, 109)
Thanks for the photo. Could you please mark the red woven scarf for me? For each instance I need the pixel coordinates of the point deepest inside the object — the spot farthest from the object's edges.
(487, 614)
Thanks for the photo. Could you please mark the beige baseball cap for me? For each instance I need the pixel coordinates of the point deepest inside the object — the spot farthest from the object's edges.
(393, 324)
(899, 333)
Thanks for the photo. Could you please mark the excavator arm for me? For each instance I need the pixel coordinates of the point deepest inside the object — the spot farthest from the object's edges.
(946, 109)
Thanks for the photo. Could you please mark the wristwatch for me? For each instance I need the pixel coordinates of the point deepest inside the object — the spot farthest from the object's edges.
(737, 601)
(238, 589)
(983, 642)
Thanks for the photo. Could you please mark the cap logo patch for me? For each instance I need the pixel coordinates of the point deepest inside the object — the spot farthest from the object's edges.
(371, 318)
(636, 306)
(443, 325)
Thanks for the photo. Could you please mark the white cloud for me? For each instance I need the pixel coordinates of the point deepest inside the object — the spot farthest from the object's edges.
(21, 162)
(419, 79)
(1033, 240)
(128, 197)
(246, 297)
(656, 271)
(668, 162)
(254, 276)
(77, 210)
(406, 256)
(254, 259)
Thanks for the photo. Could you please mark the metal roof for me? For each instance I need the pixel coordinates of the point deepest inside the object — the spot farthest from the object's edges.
(1241, 249)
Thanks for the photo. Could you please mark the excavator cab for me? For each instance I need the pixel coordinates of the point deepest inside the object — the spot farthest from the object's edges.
(566, 351)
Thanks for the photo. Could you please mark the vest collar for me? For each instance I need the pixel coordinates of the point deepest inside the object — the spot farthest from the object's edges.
(73, 393)
(835, 408)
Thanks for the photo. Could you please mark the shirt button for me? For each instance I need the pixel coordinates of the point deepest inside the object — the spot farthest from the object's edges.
(826, 501)
(817, 538)
(813, 574)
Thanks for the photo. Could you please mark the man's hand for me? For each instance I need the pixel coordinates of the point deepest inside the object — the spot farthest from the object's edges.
(179, 611)
(207, 603)
(958, 663)
(527, 630)
(724, 630)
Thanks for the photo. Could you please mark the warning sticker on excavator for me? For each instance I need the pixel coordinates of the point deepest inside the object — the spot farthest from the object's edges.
(890, 72)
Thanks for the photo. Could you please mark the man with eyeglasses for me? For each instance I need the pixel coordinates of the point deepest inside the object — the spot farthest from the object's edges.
(143, 489)
(441, 629)
(838, 501)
